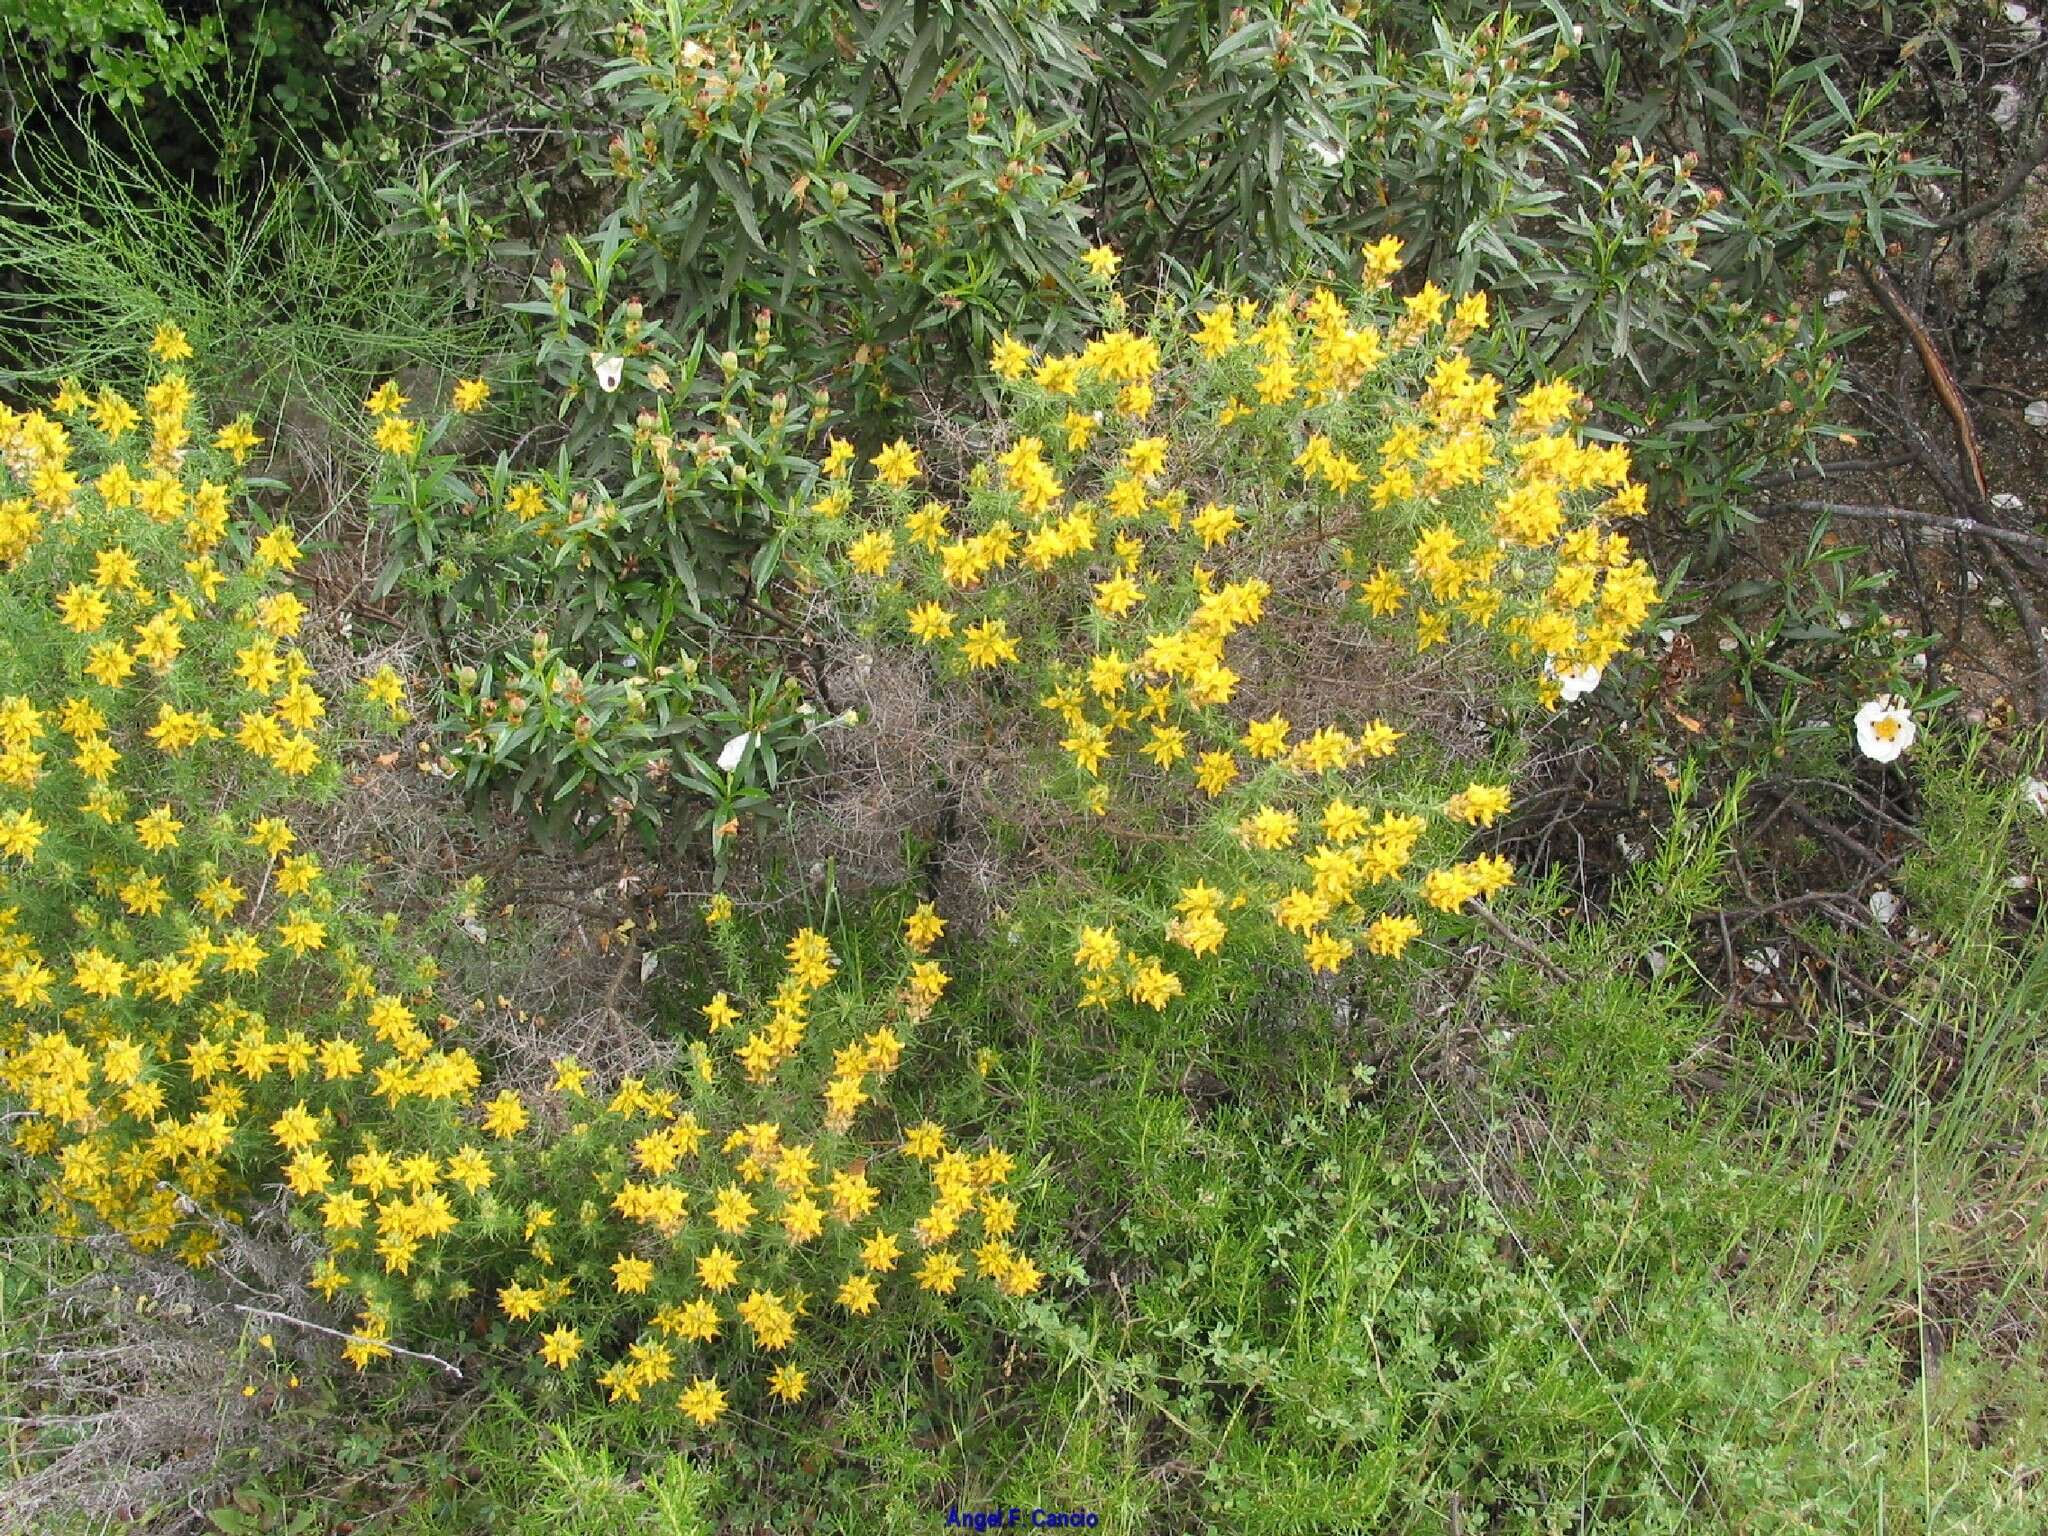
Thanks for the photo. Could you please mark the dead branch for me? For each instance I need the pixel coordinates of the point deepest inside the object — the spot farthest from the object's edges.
(351, 1338)
(1964, 525)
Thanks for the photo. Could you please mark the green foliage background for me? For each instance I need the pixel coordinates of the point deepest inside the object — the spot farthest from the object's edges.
(1556, 1238)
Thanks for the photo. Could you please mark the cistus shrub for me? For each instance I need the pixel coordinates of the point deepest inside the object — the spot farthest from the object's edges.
(595, 611)
(891, 190)
(209, 1047)
(1107, 565)
(902, 184)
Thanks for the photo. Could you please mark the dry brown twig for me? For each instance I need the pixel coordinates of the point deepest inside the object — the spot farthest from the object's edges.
(353, 1338)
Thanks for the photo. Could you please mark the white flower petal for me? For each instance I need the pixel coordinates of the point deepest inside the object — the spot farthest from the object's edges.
(729, 756)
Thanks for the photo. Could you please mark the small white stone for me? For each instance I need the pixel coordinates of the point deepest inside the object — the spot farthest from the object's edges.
(2005, 501)
(1885, 906)
(2037, 413)
(2035, 793)
(2005, 111)
(1836, 296)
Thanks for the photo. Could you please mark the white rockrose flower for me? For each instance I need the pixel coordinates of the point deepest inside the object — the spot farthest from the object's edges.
(1573, 683)
(1885, 728)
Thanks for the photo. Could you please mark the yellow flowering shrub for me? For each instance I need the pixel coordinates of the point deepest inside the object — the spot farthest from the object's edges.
(203, 1043)
(1117, 547)
(153, 711)
(709, 1221)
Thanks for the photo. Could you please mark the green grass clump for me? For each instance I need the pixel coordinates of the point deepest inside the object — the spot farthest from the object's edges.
(290, 296)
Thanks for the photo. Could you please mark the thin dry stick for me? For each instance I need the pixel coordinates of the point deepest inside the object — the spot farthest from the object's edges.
(1939, 373)
(1522, 946)
(2009, 186)
(1965, 525)
(352, 1338)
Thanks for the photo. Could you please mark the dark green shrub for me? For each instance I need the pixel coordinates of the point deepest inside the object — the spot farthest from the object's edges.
(597, 612)
(1650, 191)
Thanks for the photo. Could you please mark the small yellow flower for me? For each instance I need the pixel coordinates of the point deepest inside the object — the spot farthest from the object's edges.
(385, 687)
(21, 833)
(505, 1116)
(1010, 359)
(386, 400)
(718, 1270)
(940, 1273)
(631, 1275)
(170, 343)
(871, 553)
(880, 1253)
(929, 622)
(1390, 934)
(923, 927)
(1266, 739)
(732, 1208)
(988, 644)
(396, 436)
(561, 1347)
(896, 465)
(703, 1403)
(1478, 805)
(858, 1295)
(237, 438)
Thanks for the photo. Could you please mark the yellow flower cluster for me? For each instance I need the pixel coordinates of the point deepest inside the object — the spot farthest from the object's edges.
(146, 896)
(720, 1231)
(193, 1018)
(1132, 561)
